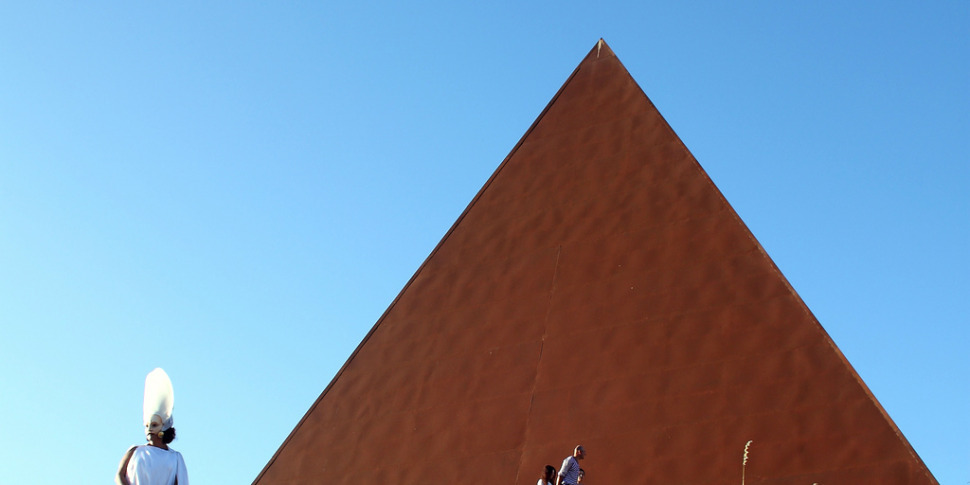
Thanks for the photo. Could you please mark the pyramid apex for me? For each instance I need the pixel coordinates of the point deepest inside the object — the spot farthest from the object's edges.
(601, 49)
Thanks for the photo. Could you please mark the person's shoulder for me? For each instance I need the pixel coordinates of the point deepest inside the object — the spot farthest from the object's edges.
(174, 452)
(131, 451)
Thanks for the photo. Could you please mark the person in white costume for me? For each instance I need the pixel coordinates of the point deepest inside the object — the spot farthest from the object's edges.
(155, 463)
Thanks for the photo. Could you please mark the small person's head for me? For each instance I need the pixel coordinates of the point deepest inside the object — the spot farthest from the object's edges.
(155, 433)
(550, 473)
(154, 426)
(582, 474)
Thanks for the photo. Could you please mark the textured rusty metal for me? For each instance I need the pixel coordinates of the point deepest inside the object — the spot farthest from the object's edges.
(600, 290)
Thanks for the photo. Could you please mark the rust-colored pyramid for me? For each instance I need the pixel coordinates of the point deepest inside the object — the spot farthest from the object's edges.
(597, 290)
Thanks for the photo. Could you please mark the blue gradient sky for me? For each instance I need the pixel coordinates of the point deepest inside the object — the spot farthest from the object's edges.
(236, 191)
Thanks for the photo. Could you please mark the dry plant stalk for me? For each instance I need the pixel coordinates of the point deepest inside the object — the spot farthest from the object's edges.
(744, 463)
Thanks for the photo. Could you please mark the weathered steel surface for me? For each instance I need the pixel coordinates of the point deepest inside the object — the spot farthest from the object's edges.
(598, 290)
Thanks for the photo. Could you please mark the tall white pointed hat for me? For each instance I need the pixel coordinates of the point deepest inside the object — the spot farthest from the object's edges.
(159, 398)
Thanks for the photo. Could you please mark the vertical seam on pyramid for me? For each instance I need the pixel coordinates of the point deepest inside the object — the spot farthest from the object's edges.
(535, 374)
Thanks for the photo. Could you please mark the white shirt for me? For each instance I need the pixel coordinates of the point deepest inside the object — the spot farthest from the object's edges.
(150, 465)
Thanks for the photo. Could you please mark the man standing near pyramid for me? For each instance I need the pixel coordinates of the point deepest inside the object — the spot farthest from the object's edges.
(569, 472)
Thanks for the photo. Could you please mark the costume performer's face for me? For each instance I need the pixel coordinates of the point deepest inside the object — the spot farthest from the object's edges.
(153, 427)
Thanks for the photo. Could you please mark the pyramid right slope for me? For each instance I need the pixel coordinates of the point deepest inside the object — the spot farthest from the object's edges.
(711, 347)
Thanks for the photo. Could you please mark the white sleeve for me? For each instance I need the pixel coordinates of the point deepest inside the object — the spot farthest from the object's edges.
(182, 475)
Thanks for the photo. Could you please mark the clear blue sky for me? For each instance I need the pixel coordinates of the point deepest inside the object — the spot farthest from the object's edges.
(235, 191)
